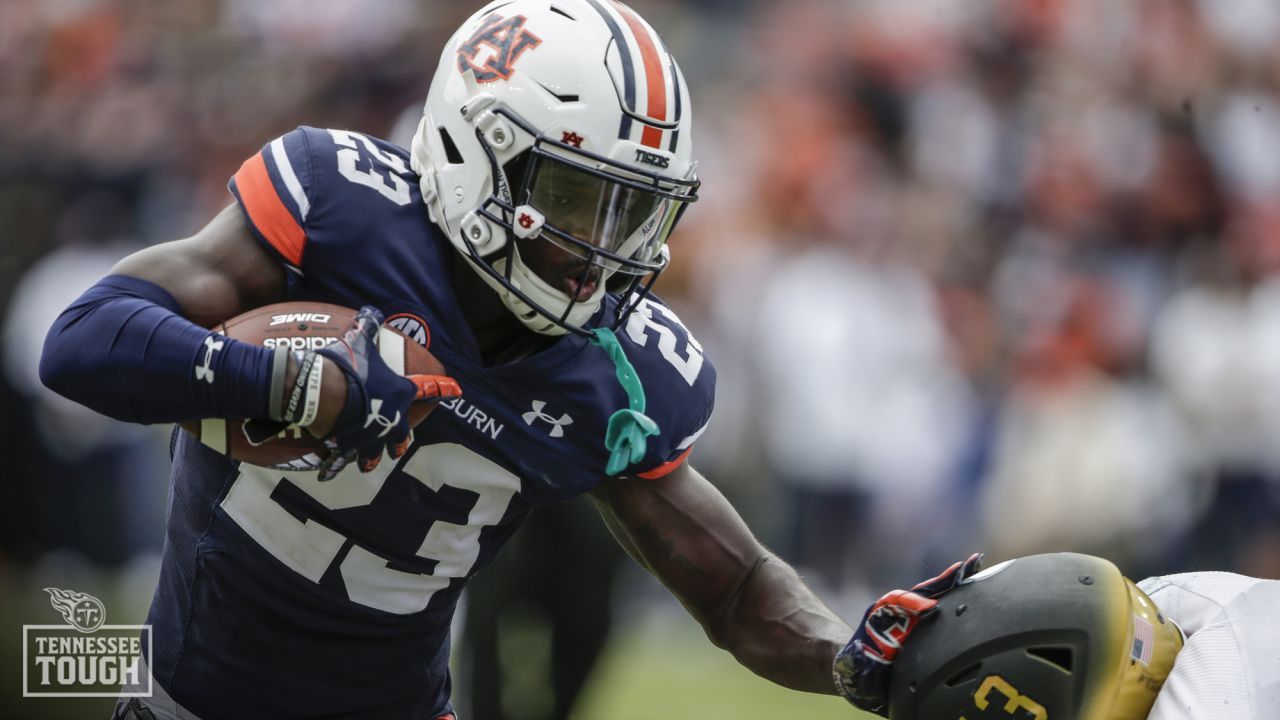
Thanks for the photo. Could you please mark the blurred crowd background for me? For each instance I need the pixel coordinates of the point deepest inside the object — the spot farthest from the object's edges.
(981, 274)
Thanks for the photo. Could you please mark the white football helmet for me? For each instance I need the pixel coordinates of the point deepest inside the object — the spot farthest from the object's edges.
(564, 121)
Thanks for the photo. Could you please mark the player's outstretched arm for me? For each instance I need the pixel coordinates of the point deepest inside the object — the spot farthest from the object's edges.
(748, 601)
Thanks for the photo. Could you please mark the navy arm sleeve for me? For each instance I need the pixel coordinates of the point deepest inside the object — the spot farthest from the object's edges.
(123, 349)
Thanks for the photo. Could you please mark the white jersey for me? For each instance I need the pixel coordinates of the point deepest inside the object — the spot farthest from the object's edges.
(1229, 668)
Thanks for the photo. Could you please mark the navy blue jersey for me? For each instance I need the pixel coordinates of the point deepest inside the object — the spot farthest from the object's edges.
(281, 596)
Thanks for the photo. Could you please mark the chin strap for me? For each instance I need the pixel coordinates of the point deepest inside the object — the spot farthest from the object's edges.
(627, 435)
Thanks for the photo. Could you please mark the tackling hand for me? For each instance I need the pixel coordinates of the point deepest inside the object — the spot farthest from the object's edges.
(862, 668)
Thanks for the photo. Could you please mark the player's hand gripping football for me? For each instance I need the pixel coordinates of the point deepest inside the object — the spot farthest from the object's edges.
(375, 414)
(361, 411)
(862, 668)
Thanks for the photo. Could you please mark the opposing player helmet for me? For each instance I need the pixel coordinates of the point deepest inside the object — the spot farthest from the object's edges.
(1046, 637)
(562, 121)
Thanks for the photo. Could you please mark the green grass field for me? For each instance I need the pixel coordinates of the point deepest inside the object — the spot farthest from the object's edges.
(663, 667)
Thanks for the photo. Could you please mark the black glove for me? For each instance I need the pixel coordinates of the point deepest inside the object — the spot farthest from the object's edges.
(862, 668)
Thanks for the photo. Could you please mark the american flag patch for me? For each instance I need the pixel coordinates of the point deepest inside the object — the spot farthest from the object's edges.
(1143, 636)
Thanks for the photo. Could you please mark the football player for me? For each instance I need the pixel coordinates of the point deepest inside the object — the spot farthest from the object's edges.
(517, 238)
(1067, 636)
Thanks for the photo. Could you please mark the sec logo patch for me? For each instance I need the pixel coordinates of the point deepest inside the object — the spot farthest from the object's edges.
(412, 327)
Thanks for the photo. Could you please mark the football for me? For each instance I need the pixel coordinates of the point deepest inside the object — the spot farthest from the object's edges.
(310, 326)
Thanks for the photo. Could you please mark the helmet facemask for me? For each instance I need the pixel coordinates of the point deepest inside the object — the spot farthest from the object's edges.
(609, 221)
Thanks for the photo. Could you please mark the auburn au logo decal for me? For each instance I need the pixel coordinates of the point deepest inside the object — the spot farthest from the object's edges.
(493, 49)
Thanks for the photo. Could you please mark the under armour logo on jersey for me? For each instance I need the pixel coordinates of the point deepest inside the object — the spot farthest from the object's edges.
(375, 416)
(506, 40)
(205, 371)
(537, 413)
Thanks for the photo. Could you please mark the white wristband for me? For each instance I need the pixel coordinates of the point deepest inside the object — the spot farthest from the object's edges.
(311, 402)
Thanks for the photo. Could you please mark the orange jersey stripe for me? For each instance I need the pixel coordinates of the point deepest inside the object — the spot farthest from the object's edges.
(666, 467)
(268, 212)
(653, 73)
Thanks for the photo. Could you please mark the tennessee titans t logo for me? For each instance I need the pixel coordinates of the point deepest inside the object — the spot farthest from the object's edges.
(82, 611)
(506, 39)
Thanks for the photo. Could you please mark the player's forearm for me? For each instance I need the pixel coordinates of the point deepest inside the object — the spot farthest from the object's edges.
(748, 601)
(780, 630)
(122, 349)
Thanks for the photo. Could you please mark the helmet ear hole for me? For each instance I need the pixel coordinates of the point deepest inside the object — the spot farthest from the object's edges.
(964, 676)
(1061, 657)
(451, 153)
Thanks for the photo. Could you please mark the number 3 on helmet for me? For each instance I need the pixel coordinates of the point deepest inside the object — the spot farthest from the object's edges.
(565, 122)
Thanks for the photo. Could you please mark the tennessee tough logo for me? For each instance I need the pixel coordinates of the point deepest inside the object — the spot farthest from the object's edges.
(505, 39)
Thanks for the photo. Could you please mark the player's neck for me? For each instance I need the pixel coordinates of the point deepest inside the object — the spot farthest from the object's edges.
(500, 336)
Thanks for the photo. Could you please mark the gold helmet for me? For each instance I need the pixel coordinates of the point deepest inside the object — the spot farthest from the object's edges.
(1047, 637)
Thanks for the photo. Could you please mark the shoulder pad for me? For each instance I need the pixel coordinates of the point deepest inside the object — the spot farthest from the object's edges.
(679, 382)
(312, 189)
